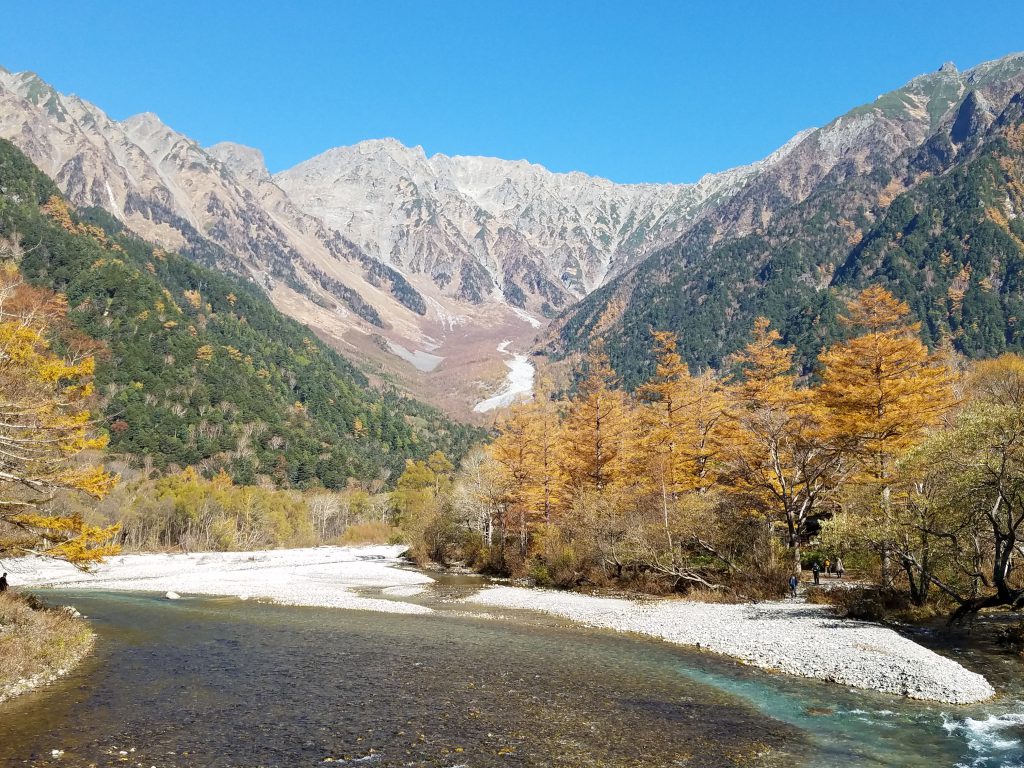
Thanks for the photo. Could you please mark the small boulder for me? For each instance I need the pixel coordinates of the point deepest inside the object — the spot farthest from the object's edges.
(172, 596)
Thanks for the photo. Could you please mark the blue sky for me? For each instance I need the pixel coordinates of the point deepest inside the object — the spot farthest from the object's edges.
(655, 91)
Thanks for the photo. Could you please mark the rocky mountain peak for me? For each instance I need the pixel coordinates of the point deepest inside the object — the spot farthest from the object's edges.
(389, 148)
(147, 124)
(541, 238)
(33, 89)
(245, 162)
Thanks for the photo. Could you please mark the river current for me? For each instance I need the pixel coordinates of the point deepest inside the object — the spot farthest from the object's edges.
(225, 682)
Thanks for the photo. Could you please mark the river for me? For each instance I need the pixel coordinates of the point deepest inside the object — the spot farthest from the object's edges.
(226, 682)
(518, 381)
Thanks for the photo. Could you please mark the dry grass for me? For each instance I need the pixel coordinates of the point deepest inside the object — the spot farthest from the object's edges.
(36, 641)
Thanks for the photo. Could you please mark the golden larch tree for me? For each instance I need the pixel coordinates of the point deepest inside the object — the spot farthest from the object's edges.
(516, 456)
(883, 391)
(547, 479)
(599, 447)
(45, 428)
(526, 453)
(777, 460)
(681, 420)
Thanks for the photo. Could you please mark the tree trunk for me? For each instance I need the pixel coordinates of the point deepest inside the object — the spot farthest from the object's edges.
(886, 552)
(793, 542)
(664, 510)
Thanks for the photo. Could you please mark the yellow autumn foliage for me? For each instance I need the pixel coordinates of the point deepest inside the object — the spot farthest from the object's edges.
(45, 428)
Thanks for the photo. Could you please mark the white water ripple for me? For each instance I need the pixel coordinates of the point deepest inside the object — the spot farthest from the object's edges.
(988, 740)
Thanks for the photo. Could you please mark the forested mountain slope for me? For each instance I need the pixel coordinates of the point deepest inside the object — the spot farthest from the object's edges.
(937, 223)
(197, 367)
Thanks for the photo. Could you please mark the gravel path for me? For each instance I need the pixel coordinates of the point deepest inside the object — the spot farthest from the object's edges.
(792, 637)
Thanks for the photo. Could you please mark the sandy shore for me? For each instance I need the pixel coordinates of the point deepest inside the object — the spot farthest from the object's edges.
(792, 637)
(322, 576)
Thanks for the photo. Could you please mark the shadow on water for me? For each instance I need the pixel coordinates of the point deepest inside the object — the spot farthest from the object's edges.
(221, 682)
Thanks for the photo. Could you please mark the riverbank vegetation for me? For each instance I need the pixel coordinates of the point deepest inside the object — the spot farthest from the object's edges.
(189, 512)
(906, 462)
(37, 643)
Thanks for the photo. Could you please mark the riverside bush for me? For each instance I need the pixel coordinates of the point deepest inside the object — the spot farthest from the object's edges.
(865, 603)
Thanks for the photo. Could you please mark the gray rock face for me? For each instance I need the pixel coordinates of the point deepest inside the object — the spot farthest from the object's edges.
(972, 119)
(480, 226)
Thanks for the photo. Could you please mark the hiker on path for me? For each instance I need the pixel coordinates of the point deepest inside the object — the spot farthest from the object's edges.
(828, 566)
(792, 585)
(3, 582)
(816, 570)
(840, 570)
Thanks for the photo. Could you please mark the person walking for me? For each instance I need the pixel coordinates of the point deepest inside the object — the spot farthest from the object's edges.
(828, 566)
(3, 582)
(816, 570)
(839, 568)
(792, 585)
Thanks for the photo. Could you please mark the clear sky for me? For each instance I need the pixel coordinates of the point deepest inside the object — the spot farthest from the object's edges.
(633, 91)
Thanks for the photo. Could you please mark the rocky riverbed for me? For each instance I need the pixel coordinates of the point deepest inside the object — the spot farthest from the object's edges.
(330, 577)
(786, 636)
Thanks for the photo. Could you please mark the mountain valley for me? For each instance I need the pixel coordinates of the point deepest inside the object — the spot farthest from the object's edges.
(419, 267)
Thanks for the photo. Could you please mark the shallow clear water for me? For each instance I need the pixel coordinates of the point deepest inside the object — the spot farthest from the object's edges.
(221, 682)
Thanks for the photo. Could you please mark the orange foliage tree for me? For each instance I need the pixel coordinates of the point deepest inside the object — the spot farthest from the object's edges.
(599, 436)
(777, 458)
(682, 422)
(883, 391)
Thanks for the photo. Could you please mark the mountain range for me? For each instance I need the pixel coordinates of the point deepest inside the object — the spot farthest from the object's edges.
(919, 191)
(419, 267)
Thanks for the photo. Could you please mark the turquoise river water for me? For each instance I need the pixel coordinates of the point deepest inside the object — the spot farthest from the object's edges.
(224, 682)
